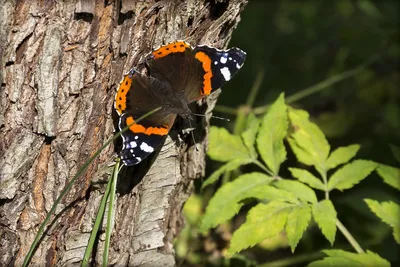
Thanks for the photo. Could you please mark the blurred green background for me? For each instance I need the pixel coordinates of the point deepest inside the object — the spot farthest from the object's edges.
(295, 45)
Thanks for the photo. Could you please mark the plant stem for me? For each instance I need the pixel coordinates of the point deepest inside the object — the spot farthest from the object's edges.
(322, 85)
(295, 260)
(96, 226)
(262, 166)
(325, 179)
(349, 237)
(255, 88)
(110, 216)
(225, 109)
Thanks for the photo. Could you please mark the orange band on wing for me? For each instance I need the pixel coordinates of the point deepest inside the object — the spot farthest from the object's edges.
(120, 98)
(170, 48)
(206, 61)
(138, 128)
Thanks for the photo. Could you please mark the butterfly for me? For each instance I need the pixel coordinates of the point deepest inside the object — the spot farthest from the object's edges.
(177, 75)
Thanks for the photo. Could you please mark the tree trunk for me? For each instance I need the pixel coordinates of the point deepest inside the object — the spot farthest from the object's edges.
(60, 64)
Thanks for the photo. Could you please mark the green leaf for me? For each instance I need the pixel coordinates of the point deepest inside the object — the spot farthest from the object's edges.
(299, 190)
(390, 175)
(334, 262)
(297, 222)
(301, 155)
(309, 138)
(307, 178)
(271, 134)
(351, 174)
(263, 221)
(324, 214)
(230, 166)
(389, 212)
(341, 258)
(225, 147)
(226, 201)
(249, 135)
(396, 152)
(341, 155)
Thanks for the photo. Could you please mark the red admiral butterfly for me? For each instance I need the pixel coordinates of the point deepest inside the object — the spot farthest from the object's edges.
(178, 75)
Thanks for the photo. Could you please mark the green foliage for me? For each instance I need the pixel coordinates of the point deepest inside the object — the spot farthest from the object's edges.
(227, 201)
(234, 150)
(351, 174)
(307, 178)
(226, 147)
(297, 223)
(264, 220)
(271, 134)
(388, 212)
(299, 190)
(230, 166)
(324, 214)
(311, 146)
(250, 134)
(390, 175)
(396, 152)
(287, 206)
(339, 258)
(341, 155)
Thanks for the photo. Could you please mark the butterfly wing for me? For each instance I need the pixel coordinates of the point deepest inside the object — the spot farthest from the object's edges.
(176, 63)
(133, 100)
(219, 66)
(199, 70)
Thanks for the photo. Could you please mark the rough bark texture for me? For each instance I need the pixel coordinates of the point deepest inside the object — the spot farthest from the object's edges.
(60, 64)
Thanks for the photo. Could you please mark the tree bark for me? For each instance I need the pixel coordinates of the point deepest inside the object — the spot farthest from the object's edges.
(61, 62)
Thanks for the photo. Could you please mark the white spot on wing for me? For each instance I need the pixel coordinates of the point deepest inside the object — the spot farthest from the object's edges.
(223, 60)
(230, 58)
(226, 73)
(146, 148)
(136, 137)
(132, 144)
(238, 66)
(215, 62)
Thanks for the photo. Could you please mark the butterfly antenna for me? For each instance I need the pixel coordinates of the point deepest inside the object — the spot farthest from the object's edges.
(214, 117)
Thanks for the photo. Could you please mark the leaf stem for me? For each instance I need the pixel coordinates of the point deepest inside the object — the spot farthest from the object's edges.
(295, 260)
(322, 85)
(262, 166)
(325, 179)
(255, 88)
(349, 237)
